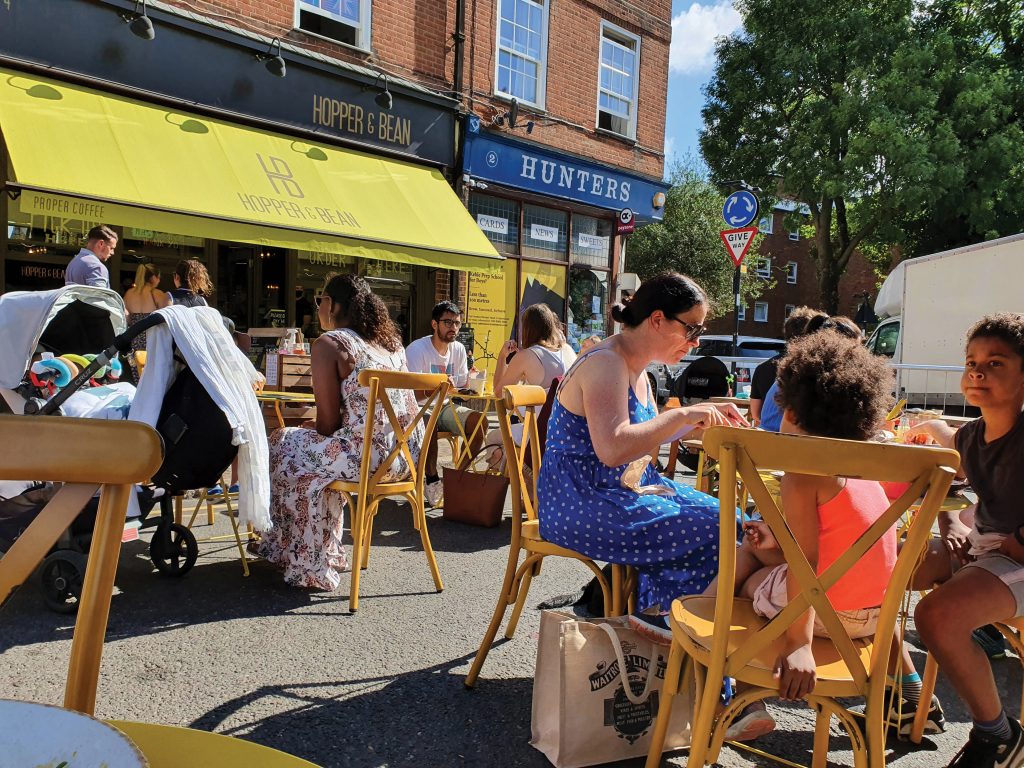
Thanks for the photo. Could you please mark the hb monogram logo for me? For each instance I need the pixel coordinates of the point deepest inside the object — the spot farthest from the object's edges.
(280, 176)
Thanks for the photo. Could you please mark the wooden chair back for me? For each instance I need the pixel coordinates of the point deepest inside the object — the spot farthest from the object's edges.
(379, 383)
(741, 453)
(525, 400)
(85, 455)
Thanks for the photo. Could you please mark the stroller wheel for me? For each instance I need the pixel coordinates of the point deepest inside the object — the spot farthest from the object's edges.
(173, 550)
(62, 576)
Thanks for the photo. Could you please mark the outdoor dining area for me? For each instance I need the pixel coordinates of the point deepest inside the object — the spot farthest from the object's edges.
(432, 648)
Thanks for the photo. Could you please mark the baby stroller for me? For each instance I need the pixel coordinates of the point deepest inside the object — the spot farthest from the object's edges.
(71, 324)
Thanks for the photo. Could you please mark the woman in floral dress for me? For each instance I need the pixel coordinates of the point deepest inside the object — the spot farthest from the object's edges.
(306, 538)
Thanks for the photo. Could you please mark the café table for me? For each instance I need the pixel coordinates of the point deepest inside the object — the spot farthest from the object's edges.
(277, 399)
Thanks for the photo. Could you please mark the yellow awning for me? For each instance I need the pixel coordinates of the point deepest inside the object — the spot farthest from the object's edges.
(121, 161)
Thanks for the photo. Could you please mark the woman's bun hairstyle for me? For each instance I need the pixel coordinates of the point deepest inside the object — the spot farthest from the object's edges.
(621, 313)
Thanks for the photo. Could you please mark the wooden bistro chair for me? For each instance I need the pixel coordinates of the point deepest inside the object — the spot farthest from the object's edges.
(371, 488)
(62, 450)
(723, 637)
(523, 465)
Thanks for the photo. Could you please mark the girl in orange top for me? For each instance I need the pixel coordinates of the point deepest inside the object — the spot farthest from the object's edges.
(829, 386)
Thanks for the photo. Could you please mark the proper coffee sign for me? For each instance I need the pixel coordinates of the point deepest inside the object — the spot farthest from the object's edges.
(738, 242)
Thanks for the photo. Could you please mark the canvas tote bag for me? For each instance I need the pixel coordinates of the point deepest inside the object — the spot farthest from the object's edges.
(583, 714)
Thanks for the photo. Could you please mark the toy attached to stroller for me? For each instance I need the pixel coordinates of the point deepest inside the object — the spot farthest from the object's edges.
(47, 361)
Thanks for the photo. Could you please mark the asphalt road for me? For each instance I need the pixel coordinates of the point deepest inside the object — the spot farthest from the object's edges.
(291, 669)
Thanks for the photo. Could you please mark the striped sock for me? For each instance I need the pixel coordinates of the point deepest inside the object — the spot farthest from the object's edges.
(999, 728)
(911, 687)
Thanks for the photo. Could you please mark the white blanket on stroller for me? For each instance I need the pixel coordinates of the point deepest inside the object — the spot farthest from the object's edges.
(228, 376)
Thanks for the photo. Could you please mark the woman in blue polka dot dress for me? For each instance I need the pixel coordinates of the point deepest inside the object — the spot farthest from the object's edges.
(605, 422)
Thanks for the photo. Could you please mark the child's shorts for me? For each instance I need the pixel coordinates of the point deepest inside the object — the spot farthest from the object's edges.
(1007, 570)
(771, 597)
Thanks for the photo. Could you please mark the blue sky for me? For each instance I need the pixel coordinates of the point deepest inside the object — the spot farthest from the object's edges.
(695, 25)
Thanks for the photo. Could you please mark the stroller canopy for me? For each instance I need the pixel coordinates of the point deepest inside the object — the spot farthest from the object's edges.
(75, 319)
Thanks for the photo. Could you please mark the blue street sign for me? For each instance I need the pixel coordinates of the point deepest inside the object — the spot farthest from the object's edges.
(740, 208)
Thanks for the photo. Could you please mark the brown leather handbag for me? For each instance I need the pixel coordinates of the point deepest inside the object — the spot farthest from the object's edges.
(474, 497)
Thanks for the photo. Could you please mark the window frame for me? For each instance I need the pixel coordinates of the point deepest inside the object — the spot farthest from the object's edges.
(363, 32)
(794, 235)
(769, 229)
(635, 98)
(792, 274)
(763, 271)
(789, 309)
(542, 69)
(758, 305)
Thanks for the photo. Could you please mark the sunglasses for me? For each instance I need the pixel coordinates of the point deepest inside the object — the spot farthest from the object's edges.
(693, 332)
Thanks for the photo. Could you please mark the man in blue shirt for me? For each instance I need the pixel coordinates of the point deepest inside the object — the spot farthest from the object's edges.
(87, 268)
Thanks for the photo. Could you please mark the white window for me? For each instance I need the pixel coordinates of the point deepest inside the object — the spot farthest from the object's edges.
(763, 267)
(522, 50)
(791, 269)
(794, 234)
(618, 81)
(743, 312)
(346, 21)
(760, 311)
(789, 309)
(766, 225)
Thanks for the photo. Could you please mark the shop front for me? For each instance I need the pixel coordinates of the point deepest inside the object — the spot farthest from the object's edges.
(555, 218)
(190, 148)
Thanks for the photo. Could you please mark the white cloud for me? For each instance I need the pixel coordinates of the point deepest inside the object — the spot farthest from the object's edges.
(670, 146)
(694, 32)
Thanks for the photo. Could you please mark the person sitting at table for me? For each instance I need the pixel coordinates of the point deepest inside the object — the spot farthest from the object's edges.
(980, 566)
(545, 355)
(771, 412)
(829, 385)
(765, 373)
(598, 493)
(358, 333)
(440, 352)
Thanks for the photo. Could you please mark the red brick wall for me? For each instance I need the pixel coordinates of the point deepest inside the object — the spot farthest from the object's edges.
(573, 59)
(859, 277)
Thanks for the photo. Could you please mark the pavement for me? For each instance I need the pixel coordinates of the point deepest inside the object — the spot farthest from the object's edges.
(292, 669)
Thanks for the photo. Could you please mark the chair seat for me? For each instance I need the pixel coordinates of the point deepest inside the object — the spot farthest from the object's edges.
(534, 542)
(381, 489)
(693, 625)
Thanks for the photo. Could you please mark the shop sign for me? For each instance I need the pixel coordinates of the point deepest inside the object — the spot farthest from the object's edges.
(593, 242)
(495, 224)
(538, 169)
(544, 234)
(316, 258)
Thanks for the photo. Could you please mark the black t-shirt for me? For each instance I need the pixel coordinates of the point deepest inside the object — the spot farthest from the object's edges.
(763, 378)
(186, 298)
(994, 472)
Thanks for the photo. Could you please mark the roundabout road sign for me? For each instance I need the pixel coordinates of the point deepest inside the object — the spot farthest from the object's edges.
(740, 209)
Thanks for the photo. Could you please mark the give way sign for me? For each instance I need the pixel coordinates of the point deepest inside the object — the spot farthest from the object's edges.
(737, 242)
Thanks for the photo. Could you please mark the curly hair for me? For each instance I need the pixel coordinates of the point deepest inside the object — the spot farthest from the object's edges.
(834, 386)
(670, 292)
(363, 311)
(193, 276)
(797, 320)
(1008, 326)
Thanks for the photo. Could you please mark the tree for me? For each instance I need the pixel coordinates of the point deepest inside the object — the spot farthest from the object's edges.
(687, 239)
(845, 107)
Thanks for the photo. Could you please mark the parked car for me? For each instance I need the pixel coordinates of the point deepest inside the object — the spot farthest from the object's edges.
(753, 350)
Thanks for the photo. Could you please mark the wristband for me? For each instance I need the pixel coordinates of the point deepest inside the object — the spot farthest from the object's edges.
(1018, 537)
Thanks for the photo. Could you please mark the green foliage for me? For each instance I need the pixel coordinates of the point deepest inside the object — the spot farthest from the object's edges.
(879, 115)
(687, 240)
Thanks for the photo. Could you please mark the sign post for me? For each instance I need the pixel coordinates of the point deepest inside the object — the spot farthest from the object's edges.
(739, 211)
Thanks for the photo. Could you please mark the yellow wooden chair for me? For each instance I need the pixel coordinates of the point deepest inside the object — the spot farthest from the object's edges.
(523, 465)
(61, 450)
(371, 488)
(723, 637)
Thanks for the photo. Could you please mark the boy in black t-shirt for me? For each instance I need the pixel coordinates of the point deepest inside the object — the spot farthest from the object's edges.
(982, 566)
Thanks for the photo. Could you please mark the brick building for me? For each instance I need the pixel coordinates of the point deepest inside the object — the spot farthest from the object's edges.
(785, 258)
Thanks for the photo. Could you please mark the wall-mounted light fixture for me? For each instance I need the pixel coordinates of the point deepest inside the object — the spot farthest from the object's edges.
(510, 118)
(139, 23)
(274, 62)
(384, 99)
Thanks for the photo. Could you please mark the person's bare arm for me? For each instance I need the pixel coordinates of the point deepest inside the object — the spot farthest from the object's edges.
(600, 389)
(523, 367)
(755, 411)
(331, 364)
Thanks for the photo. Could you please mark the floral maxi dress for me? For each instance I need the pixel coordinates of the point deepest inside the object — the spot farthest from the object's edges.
(306, 539)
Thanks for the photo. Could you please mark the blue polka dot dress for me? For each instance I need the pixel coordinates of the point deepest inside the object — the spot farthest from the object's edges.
(672, 541)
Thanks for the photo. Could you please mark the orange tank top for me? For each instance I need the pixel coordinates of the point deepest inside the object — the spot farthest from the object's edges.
(841, 521)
